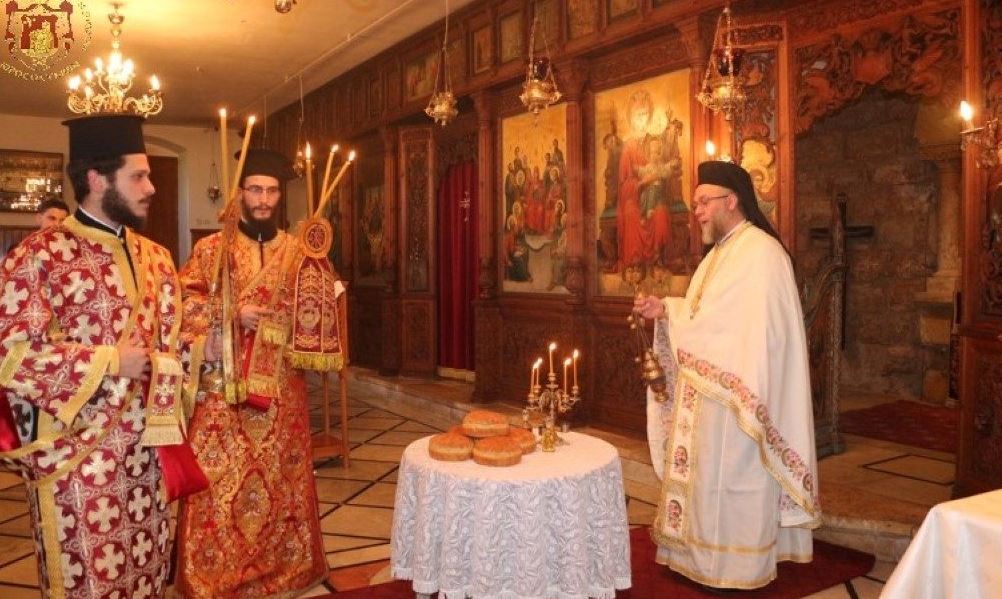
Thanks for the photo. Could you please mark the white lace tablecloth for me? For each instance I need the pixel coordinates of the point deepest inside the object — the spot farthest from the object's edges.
(553, 526)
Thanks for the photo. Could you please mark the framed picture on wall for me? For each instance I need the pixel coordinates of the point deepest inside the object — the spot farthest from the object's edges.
(620, 9)
(643, 173)
(534, 211)
(29, 178)
(419, 77)
(511, 37)
(482, 50)
(582, 18)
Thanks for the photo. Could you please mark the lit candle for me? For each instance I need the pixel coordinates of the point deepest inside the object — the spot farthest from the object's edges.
(532, 378)
(327, 171)
(553, 346)
(224, 146)
(967, 113)
(567, 363)
(243, 154)
(309, 178)
(576, 355)
(333, 185)
(711, 148)
(535, 370)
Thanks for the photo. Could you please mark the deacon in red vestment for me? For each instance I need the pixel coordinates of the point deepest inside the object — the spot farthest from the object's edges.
(256, 532)
(89, 315)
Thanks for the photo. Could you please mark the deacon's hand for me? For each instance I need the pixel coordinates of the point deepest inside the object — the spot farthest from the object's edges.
(649, 306)
(133, 358)
(251, 315)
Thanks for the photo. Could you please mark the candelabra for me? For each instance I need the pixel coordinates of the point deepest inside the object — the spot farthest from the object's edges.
(550, 400)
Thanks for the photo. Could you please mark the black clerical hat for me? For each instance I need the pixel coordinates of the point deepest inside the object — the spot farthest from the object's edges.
(105, 136)
(737, 179)
(267, 162)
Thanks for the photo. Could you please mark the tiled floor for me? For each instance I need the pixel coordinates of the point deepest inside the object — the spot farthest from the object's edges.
(356, 504)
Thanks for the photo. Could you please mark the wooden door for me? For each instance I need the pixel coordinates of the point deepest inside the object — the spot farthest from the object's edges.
(162, 223)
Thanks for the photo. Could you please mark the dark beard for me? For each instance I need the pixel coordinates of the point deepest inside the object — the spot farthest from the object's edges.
(255, 227)
(117, 209)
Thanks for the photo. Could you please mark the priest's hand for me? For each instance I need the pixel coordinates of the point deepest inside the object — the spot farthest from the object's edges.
(251, 315)
(214, 346)
(649, 306)
(133, 358)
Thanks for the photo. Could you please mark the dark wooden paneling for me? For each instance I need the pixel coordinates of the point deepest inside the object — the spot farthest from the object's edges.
(162, 222)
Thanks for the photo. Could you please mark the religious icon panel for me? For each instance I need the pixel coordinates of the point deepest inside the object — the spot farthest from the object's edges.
(643, 185)
(534, 187)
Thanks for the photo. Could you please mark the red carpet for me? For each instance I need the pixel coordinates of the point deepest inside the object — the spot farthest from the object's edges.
(905, 422)
(832, 565)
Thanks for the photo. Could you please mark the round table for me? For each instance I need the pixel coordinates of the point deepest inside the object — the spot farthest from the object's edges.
(553, 525)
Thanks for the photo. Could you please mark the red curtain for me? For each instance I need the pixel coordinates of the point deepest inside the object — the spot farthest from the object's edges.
(458, 268)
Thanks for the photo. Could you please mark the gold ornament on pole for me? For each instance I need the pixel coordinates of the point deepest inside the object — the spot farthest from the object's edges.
(104, 89)
(540, 87)
(723, 86)
(987, 138)
(442, 104)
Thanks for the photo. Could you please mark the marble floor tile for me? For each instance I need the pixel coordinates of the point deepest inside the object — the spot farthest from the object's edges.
(378, 495)
(640, 512)
(370, 522)
(376, 424)
(9, 479)
(334, 490)
(416, 427)
(391, 477)
(384, 575)
(23, 571)
(15, 548)
(10, 509)
(377, 413)
(907, 489)
(334, 543)
(929, 470)
(18, 592)
(15, 493)
(353, 577)
(358, 470)
(357, 435)
(18, 527)
(382, 453)
(397, 437)
(882, 570)
(355, 557)
(866, 588)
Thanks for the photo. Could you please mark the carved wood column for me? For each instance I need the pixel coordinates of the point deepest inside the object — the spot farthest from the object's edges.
(573, 76)
(697, 51)
(390, 304)
(487, 326)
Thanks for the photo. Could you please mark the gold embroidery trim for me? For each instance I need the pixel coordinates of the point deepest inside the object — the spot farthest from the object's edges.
(48, 519)
(717, 394)
(12, 361)
(726, 583)
(88, 386)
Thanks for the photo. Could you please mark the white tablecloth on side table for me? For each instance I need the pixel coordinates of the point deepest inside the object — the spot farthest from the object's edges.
(553, 526)
(956, 554)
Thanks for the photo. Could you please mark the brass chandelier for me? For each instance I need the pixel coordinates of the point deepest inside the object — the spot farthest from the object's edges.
(723, 86)
(540, 87)
(442, 104)
(105, 88)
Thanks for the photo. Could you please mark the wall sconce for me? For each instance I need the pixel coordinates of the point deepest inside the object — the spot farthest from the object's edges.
(987, 138)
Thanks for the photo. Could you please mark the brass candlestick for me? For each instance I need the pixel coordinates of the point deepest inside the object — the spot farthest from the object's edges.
(551, 401)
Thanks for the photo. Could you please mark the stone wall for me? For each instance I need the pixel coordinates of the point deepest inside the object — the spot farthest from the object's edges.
(869, 150)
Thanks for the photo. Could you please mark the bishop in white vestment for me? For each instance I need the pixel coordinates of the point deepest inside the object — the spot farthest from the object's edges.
(734, 442)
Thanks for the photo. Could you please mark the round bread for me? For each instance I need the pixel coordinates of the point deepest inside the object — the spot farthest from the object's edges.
(450, 447)
(456, 429)
(525, 439)
(497, 451)
(485, 423)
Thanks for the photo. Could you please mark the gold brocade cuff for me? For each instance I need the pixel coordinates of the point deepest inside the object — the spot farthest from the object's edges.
(92, 380)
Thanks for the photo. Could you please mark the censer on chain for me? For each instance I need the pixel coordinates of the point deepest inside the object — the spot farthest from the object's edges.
(650, 370)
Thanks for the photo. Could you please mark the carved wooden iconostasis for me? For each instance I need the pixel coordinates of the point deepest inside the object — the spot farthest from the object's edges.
(563, 240)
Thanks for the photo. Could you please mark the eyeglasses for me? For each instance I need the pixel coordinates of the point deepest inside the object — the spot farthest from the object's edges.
(704, 202)
(256, 190)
